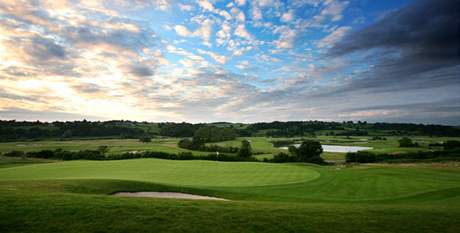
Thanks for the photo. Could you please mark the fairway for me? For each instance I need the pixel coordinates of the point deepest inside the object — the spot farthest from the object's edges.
(185, 173)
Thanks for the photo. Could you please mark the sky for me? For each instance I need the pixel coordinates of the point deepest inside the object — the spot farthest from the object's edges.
(236, 61)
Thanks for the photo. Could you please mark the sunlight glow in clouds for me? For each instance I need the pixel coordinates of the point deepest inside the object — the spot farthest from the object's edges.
(235, 60)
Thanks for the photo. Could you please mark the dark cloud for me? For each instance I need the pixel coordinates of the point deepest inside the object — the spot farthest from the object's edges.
(415, 47)
(427, 28)
(45, 49)
(141, 70)
(449, 105)
(88, 88)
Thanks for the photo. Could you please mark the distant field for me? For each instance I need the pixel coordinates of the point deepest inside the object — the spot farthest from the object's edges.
(73, 197)
(261, 145)
(115, 145)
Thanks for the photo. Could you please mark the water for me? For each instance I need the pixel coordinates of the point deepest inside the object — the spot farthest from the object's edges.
(339, 149)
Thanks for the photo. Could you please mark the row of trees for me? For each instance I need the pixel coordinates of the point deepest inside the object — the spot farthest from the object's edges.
(309, 151)
(15, 130)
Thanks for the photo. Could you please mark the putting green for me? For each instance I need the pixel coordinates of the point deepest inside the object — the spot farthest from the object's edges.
(183, 173)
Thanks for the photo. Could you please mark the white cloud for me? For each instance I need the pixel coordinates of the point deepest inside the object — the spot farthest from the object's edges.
(242, 65)
(288, 16)
(335, 36)
(206, 5)
(240, 2)
(224, 33)
(204, 31)
(218, 58)
(162, 4)
(241, 17)
(225, 14)
(286, 38)
(242, 32)
(185, 7)
(256, 13)
(182, 31)
(333, 10)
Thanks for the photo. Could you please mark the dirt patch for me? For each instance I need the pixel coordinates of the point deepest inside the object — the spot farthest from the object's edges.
(171, 195)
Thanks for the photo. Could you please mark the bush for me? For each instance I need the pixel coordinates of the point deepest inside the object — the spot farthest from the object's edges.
(145, 139)
(185, 143)
(369, 157)
(451, 145)
(282, 158)
(15, 153)
(407, 142)
(361, 157)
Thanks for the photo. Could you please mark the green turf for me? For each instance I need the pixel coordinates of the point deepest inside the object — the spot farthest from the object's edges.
(73, 197)
(186, 173)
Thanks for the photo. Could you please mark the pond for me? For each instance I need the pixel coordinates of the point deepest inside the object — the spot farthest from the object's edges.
(339, 149)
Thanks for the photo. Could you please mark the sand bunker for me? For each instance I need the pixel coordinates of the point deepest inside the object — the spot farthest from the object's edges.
(171, 195)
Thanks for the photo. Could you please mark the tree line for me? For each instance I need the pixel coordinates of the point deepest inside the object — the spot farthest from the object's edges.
(30, 130)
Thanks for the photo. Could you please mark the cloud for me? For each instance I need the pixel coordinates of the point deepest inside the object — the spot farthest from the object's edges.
(332, 10)
(206, 5)
(140, 70)
(182, 31)
(240, 2)
(204, 31)
(256, 13)
(185, 7)
(286, 38)
(45, 49)
(330, 40)
(220, 59)
(242, 32)
(94, 58)
(287, 16)
(412, 48)
(224, 34)
(24, 114)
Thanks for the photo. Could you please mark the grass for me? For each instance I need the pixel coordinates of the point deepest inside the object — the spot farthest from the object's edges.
(168, 145)
(185, 173)
(72, 197)
(13, 162)
(261, 145)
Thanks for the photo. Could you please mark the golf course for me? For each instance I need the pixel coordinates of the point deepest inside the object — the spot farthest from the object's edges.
(76, 196)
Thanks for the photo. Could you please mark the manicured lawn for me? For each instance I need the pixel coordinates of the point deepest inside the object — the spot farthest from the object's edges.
(73, 197)
(185, 173)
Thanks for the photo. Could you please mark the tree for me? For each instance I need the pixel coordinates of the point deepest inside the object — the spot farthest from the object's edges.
(309, 151)
(245, 149)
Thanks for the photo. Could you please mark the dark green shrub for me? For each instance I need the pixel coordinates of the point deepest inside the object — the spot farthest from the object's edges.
(451, 145)
(14, 153)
